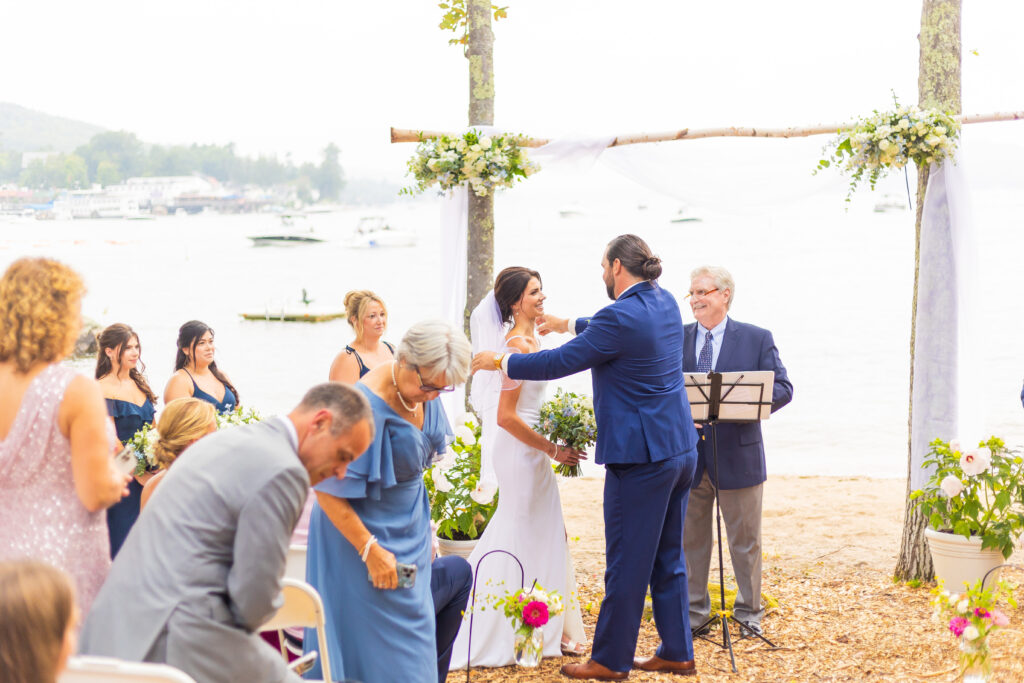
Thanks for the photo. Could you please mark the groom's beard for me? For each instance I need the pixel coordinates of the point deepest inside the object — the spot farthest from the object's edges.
(610, 287)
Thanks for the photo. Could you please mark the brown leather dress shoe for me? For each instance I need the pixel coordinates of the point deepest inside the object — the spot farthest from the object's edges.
(593, 671)
(656, 663)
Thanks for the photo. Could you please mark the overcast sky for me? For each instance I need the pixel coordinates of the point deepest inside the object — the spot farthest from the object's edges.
(288, 77)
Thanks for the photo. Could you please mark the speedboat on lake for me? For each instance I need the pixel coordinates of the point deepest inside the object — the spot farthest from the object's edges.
(373, 232)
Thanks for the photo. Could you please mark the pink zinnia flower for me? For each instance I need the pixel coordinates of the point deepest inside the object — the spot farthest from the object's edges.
(535, 614)
(1000, 619)
(957, 625)
(983, 613)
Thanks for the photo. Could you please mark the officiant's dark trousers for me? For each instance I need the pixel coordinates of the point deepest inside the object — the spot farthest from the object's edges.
(644, 509)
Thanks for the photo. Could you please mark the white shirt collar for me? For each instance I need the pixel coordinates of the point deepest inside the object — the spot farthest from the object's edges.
(629, 288)
(716, 331)
(289, 429)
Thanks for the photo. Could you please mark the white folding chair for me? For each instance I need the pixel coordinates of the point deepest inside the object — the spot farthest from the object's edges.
(295, 567)
(88, 669)
(302, 607)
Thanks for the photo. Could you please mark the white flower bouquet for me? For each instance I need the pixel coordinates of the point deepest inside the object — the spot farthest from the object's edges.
(889, 140)
(484, 163)
(568, 419)
(236, 417)
(142, 444)
(460, 503)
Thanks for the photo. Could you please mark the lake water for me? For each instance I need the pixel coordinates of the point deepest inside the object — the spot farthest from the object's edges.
(833, 286)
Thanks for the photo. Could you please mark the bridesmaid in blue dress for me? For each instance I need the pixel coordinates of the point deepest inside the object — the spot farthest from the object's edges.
(130, 402)
(369, 318)
(379, 515)
(195, 371)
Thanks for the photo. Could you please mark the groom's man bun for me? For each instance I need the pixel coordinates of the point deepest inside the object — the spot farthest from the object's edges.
(635, 256)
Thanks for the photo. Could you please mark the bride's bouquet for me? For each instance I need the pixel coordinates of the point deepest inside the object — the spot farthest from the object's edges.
(568, 419)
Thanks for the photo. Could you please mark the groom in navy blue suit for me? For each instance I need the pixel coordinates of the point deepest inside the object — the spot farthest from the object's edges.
(647, 442)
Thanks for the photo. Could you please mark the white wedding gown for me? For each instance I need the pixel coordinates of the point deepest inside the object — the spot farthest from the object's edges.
(528, 523)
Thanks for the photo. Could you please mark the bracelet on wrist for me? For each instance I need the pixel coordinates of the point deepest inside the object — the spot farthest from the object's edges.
(497, 360)
(366, 549)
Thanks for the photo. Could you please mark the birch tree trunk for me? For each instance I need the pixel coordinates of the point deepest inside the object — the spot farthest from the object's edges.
(938, 87)
(480, 249)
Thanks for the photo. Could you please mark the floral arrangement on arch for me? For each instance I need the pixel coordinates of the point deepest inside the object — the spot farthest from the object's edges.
(460, 504)
(889, 140)
(568, 419)
(236, 417)
(483, 162)
(973, 617)
(975, 492)
(142, 444)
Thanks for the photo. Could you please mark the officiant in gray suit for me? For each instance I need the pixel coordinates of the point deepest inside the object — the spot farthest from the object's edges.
(201, 569)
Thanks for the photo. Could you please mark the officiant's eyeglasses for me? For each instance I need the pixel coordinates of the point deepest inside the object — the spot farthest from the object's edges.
(700, 293)
(424, 387)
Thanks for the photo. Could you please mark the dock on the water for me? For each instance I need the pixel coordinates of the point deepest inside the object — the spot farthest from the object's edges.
(294, 317)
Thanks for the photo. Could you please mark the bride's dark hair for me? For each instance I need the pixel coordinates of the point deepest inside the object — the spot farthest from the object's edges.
(509, 287)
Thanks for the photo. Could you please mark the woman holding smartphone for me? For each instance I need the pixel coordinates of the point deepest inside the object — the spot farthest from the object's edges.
(375, 522)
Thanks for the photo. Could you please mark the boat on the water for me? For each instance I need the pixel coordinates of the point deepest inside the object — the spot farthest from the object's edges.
(684, 216)
(283, 316)
(373, 232)
(283, 240)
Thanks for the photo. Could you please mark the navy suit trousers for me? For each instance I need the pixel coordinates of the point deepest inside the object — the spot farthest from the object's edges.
(451, 581)
(644, 509)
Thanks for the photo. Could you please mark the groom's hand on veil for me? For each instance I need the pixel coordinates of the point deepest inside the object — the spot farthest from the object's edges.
(483, 361)
(546, 324)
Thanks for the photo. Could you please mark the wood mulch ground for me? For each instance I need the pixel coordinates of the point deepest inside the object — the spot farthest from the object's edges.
(840, 616)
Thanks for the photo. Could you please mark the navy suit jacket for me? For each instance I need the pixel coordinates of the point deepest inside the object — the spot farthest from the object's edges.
(633, 348)
(740, 449)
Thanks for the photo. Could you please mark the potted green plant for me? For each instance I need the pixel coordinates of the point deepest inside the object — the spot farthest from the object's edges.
(974, 503)
(460, 504)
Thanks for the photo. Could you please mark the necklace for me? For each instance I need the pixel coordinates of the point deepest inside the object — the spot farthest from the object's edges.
(394, 381)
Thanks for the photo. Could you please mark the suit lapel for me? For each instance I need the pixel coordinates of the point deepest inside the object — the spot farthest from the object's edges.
(689, 355)
(730, 342)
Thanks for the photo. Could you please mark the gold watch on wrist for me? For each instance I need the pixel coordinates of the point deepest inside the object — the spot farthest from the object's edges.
(498, 357)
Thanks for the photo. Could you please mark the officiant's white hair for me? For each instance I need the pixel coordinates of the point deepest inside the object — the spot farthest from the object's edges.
(721, 276)
(436, 345)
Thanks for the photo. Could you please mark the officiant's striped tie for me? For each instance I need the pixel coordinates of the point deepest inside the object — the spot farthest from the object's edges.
(704, 362)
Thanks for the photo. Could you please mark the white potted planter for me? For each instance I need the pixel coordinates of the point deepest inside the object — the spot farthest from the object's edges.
(461, 548)
(957, 559)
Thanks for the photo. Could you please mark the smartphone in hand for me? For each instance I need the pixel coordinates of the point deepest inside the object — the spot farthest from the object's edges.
(406, 575)
(125, 461)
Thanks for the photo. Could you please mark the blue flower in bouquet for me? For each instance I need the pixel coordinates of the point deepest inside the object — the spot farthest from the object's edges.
(568, 420)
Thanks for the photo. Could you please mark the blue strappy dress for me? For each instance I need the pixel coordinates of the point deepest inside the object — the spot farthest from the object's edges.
(380, 636)
(128, 419)
(225, 405)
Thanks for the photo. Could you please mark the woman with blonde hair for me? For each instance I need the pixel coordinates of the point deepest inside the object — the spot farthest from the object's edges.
(38, 622)
(369, 318)
(57, 473)
(182, 422)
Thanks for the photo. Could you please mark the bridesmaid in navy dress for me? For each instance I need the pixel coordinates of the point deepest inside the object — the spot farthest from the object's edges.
(196, 373)
(130, 402)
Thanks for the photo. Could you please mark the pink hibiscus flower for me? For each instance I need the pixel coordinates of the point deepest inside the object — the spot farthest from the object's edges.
(535, 614)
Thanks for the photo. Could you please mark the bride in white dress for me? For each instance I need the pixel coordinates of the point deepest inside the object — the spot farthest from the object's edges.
(528, 521)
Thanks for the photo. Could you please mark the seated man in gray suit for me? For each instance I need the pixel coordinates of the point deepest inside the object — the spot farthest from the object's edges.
(201, 569)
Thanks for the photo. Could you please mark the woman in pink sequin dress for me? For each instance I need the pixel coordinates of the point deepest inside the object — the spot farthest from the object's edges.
(56, 467)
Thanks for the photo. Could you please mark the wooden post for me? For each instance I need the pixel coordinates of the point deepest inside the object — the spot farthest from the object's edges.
(938, 87)
(480, 247)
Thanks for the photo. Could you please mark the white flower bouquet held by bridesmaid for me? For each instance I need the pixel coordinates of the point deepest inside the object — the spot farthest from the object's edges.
(568, 419)
(460, 503)
(238, 416)
(142, 444)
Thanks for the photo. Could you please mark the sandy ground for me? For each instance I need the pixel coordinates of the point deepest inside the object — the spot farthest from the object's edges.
(851, 521)
(830, 547)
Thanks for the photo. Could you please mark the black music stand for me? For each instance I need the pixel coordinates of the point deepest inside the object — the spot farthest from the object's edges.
(732, 397)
